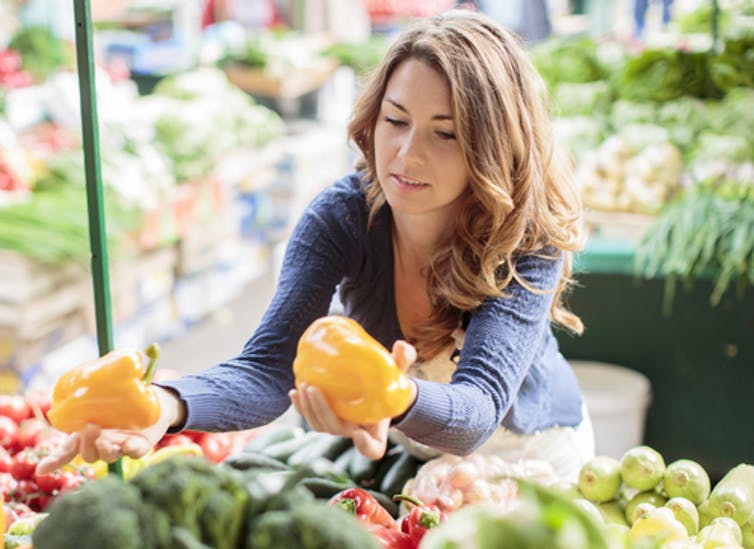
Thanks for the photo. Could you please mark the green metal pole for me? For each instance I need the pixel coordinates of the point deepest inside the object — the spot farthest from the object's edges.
(94, 192)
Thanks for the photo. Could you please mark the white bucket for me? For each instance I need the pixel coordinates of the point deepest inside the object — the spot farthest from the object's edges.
(617, 399)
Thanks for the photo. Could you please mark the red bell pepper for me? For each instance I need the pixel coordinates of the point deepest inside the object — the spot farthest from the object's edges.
(392, 539)
(364, 506)
(421, 518)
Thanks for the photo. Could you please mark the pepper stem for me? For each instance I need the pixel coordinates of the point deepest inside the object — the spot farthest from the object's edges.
(153, 352)
(410, 499)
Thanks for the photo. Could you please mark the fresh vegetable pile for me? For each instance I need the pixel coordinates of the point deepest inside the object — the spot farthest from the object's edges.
(642, 500)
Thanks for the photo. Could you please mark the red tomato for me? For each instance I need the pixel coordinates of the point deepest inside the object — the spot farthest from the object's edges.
(175, 440)
(8, 485)
(14, 407)
(40, 502)
(8, 432)
(195, 436)
(25, 491)
(216, 446)
(70, 481)
(6, 460)
(49, 482)
(31, 431)
(24, 463)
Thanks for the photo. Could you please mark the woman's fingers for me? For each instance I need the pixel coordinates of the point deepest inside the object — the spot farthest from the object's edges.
(312, 404)
(371, 440)
(88, 441)
(135, 446)
(61, 456)
(404, 354)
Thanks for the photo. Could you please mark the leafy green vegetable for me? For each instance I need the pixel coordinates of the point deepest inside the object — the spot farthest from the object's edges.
(363, 57)
(707, 231)
(53, 226)
(207, 500)
(664, 74)
(543, 519)
(103, 514)
(568, 60)
(41, 51)
(583, 99)
(310, 526)
(734, 66)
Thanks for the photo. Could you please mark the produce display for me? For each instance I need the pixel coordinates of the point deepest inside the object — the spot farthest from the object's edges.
(283, 486)
(664, 135)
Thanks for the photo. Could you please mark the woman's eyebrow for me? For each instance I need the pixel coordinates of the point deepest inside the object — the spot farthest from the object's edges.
(402, 108)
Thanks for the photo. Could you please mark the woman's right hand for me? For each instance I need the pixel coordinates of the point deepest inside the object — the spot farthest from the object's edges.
(94, 443)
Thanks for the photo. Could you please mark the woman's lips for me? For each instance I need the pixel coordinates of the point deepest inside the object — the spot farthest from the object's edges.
(408, 183)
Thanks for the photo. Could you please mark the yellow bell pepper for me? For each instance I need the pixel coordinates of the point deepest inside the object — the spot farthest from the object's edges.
(113, 391)
(357, 375)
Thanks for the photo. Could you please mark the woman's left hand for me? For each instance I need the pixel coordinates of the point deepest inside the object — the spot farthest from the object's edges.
(369, 440)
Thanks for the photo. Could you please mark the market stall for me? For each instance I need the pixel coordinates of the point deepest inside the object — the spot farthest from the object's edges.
(664, 156)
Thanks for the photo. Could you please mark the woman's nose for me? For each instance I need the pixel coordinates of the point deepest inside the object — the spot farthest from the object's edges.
(412, 148)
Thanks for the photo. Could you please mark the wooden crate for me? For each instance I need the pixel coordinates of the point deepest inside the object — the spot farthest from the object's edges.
(294, 84)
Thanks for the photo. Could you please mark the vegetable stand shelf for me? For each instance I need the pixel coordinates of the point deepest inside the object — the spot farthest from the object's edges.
(698, 358)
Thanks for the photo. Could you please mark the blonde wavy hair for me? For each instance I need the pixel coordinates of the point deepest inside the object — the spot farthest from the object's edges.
(522, 197)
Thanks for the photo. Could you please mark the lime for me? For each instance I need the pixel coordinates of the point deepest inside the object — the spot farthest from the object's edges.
(686, 478)
(685, 512)
(612, 512)
(599, 479)
(747, 532)
(716, 535)
(567, 489)
(642, 467)
(617, 535)
(589, 509)
(705, 515)
(732, 525)
(652, 498)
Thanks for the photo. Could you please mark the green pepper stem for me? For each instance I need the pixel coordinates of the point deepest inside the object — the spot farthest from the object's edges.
(409, 499)
(153, 352)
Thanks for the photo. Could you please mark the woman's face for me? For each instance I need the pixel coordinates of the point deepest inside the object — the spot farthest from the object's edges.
(418, 159)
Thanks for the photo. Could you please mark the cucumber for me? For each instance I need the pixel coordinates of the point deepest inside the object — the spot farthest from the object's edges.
(343, 461)
(325, 446)
(272, 435)
(362, 470)
(398, 474)
(324, 488)
(285, 449)
(254, 460)
(384, 465)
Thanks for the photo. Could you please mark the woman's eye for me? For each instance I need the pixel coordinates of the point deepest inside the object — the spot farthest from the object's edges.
(394, 121)
(447, 135)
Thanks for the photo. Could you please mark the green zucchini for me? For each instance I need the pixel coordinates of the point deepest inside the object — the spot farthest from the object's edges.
(272, 435)
(362, 469)
(342, 463)
(254, 460)
(285, 449)
(398, 474)
(324, 488)
(325, 446)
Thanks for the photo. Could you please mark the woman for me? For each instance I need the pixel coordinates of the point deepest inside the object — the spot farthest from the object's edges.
(451, 244)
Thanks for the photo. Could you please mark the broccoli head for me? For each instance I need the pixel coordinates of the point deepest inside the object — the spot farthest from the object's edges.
(102, 514)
